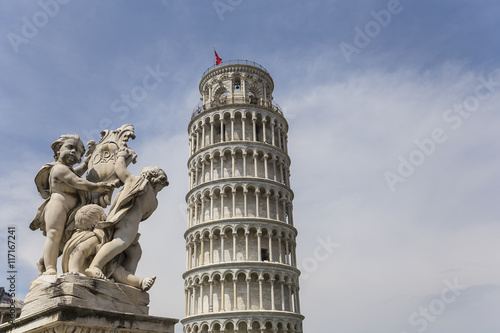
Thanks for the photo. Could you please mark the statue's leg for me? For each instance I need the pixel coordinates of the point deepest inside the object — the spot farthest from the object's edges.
(124, 235)
(80, 253)
(55, 219)
(133, 255)
(41, 266)
(123, 276)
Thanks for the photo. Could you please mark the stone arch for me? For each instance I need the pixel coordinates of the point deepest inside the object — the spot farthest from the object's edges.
(239, 198)
(226, 115)
(241, 295)
(204, 133)
(274, 203)
(216, 195)
(204, 327)
(268, 325)
(281, 326)
(240, 112)
(259, 131)
(229, 326)
(247, 117)
(251, 200)
(256, 325)
(267, 122)
(226, 198)
(220, 95)
(237, 126)
(240, 243)
(225, 161)
(217, 234)
(242, 325)
(252, 243)
(255, 91)
(205, 205)
(239, 166)
(217, 155)
(216, 326)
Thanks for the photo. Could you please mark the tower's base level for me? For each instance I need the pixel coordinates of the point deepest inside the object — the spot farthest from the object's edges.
(66, 319)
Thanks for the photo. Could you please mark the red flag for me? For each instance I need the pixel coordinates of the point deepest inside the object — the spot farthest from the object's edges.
(217, 59)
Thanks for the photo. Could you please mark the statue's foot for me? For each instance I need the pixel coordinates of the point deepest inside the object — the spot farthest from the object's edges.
(95, 273)
(41, 266)
(147, 283)
(50, 271)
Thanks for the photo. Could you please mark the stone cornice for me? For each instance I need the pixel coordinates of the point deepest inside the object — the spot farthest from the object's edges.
(245, 315)
(239, 181)
(250, 221)
(235, 68)
(235, 144)
(238, 107)
(238, 266)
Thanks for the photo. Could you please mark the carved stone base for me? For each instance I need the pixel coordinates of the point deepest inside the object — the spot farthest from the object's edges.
(72, 319)
(82, 291)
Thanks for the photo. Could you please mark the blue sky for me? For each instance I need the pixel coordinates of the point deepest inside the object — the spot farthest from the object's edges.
(395, 147)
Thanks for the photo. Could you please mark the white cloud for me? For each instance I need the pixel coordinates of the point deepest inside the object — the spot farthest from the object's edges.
(349, 123)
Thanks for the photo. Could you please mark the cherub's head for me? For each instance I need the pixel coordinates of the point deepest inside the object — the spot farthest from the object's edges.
(156, 176)
(68, 149)
(88, 216)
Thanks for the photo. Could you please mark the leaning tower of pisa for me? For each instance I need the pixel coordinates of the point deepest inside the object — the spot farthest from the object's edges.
(241, 273)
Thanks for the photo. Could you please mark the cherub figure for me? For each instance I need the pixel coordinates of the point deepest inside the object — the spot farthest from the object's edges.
(64, 191)
(86, 241)
(135, 202)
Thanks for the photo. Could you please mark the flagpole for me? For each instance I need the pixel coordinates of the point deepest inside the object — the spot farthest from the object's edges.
(214, 54)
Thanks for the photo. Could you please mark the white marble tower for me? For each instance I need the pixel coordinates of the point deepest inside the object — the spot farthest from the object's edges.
(241, 273)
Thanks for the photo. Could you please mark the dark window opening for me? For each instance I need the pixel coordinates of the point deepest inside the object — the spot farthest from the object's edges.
(253, 99)
(264, 254)
(258, 132)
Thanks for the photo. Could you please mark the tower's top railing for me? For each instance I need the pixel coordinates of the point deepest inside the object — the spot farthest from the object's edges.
(235, 62)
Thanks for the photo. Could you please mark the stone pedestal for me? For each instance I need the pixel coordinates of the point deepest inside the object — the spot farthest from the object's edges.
(75, 303)
(82, 291)
(72, 319)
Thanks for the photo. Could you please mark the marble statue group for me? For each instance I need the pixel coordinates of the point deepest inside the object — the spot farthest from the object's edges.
(72, 217)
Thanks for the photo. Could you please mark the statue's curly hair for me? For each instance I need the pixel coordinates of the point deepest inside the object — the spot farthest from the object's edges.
(56, 145)
(88, 216)
(155, 175)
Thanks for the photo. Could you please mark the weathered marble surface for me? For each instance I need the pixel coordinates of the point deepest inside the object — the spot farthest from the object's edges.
(72, 319)
(100, 246)
(84, 292)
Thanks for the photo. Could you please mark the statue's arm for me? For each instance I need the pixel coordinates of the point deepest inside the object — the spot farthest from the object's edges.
(80, 170)
(121, 169)
(65, 175)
